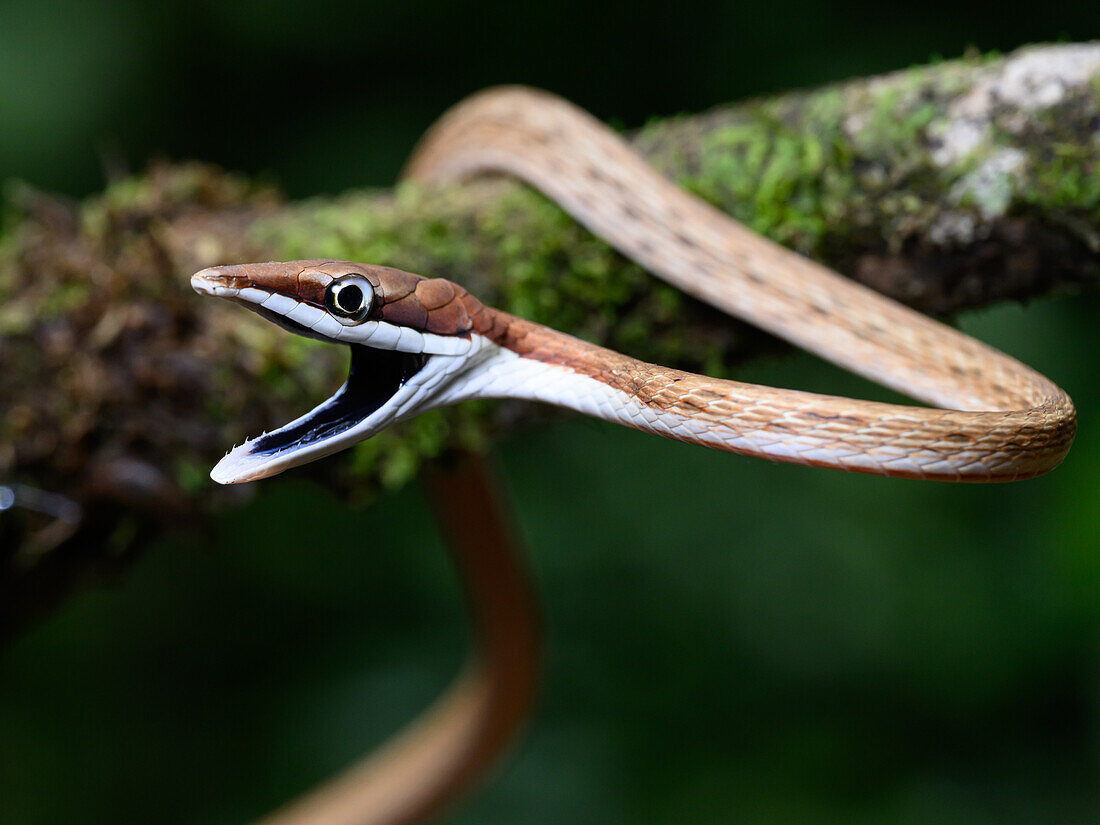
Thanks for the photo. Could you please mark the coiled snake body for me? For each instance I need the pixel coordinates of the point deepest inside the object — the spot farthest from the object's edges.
(419, 343)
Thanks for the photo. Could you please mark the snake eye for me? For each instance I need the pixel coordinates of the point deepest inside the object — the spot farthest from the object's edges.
(350, 297)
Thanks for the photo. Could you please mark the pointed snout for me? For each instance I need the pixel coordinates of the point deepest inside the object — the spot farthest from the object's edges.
(273, 276)
(208, 281)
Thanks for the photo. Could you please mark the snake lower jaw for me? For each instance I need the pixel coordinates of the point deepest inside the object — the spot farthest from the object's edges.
(383, 386)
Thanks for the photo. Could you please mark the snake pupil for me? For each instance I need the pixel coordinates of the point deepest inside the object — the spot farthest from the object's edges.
(350, 298)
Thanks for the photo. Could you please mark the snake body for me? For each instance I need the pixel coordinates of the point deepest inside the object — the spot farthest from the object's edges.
(1003, 420)
(432, 343)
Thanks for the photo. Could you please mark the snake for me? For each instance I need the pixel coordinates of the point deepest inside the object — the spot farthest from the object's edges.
(419, 343)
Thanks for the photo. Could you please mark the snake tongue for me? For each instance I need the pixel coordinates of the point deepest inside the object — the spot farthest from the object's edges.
(374, 378)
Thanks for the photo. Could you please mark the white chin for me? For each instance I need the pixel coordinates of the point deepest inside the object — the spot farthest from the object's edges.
(239, 466)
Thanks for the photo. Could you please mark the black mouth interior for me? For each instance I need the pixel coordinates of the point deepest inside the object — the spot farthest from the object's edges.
(375, 376)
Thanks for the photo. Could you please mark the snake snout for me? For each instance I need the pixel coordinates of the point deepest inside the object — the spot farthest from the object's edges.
(207, 281)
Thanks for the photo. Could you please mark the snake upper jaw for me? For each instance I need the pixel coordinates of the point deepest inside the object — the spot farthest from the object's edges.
(385, 385)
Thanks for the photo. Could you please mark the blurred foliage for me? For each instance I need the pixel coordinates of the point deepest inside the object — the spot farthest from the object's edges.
(727, 639)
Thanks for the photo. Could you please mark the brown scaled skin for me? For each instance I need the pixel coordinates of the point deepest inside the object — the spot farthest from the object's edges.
(425, 304)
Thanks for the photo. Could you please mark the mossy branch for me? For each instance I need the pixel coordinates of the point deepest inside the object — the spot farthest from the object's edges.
(948, 186)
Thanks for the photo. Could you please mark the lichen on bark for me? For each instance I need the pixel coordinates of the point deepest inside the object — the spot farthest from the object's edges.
(946, 186)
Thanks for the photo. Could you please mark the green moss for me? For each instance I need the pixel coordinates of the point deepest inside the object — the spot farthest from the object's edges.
(1066, 177)
(783, 182)
(165, 188)
(395, 455)
(1063, 176)
(889, 124)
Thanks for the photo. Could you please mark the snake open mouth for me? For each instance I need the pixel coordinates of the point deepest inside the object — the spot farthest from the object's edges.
(374, 378)
(398, 367)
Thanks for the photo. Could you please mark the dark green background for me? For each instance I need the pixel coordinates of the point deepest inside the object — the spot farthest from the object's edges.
(728, 640)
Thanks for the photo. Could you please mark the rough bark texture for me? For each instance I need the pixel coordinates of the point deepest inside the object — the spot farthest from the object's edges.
(948, 186)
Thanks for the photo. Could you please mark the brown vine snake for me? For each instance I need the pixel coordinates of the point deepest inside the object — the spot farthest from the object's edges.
(419, 343)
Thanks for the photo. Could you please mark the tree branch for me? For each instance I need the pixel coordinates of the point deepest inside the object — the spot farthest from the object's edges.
(948, 186)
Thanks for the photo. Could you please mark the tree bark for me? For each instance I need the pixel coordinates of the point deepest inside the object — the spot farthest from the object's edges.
(948, 186)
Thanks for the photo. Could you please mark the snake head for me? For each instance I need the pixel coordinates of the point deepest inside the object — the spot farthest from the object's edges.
(410, 338)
